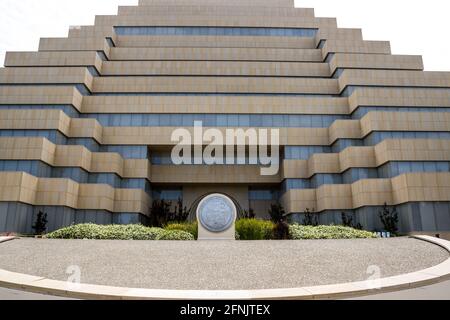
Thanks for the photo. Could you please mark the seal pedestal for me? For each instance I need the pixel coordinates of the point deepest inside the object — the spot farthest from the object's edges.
(216, 215)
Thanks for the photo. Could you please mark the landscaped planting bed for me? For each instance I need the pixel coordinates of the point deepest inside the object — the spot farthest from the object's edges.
(300, 232)
(118, 232)
(246, 229)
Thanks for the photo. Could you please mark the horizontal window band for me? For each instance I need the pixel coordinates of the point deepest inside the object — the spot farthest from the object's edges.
(216, 31)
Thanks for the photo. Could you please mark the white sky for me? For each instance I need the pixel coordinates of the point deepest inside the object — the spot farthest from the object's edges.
(412, 26)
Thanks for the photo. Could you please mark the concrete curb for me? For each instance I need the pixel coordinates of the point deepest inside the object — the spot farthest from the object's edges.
(420, 278)
(4, 239)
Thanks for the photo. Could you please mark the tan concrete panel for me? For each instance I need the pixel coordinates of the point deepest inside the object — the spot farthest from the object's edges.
(333, 33)
(40, 95)
(37, 95)
(57, 192)
(345, 128)
(34, 119)
(22, 187)
(109, 162)
(411, 187)
(351, 46)
(215, 84)
(399, 78)
(96, 196)
(397, 97)
(333, 197)
(188, 42)
(299, 200)
(375, 61)
(406, 121)
(74, 44)
(29, 148)
(42, 75)
(237, 3)
(16, 148)
(208, 174)
(218, 68)
(38, 148)
(373, 121)
(219, 9)
(86, 128)
(92, 32)
(369, 157)
(210, 54)
(72, 156)
(323, 163)
(209, 21)
(294, 169)
(215, 104)
(17, 187)
(53, 59)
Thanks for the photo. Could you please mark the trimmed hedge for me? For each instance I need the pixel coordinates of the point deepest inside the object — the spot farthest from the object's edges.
(253, 229)
(246, 229)
(300, 232)
(176, 235)
(114, 232)
(189, 227)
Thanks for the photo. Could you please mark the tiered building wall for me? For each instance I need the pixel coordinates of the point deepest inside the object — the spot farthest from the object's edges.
(86, 122)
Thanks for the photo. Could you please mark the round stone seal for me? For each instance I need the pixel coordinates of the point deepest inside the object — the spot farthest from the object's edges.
(216, 213)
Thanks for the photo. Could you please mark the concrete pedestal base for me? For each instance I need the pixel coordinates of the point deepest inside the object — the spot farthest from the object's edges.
(204, 234)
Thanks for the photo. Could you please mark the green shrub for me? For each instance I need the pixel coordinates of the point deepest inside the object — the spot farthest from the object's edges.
(299, 232)
(189, 227)
(107, 232)
(176, 235)
(253, 229)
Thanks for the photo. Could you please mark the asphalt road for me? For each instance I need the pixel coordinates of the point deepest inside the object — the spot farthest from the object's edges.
(8, 294)
(440, 291)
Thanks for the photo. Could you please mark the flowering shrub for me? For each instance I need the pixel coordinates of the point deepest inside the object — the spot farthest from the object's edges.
(107, 232)
(253, 229)
(190, 227)
(300, 232)
(176, 235)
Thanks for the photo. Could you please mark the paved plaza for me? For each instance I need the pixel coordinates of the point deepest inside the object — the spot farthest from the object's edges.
(239, 265)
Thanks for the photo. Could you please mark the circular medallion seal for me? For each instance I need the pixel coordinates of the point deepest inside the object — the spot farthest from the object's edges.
(216, 213)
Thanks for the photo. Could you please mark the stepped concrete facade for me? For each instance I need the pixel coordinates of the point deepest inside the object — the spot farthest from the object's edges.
(86, 122)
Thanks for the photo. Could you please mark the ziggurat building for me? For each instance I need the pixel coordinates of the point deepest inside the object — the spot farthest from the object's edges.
(86, 122)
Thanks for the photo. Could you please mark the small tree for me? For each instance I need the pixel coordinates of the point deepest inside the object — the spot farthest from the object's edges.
(250, 214)
(277, 214)
(40, 226)
(310, 218)
(347, 221)
(160, 213)
(389, 219)
(180, 213)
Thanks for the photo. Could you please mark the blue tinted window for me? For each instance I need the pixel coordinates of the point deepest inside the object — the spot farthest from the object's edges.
(219, 31)
(303, 152)
(167, 194)
(262, 194)
(215, 120)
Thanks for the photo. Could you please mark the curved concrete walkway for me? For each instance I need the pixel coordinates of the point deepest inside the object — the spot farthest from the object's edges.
(423, 277)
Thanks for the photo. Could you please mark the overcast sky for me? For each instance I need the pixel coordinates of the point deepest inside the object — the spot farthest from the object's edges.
(413, 26)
